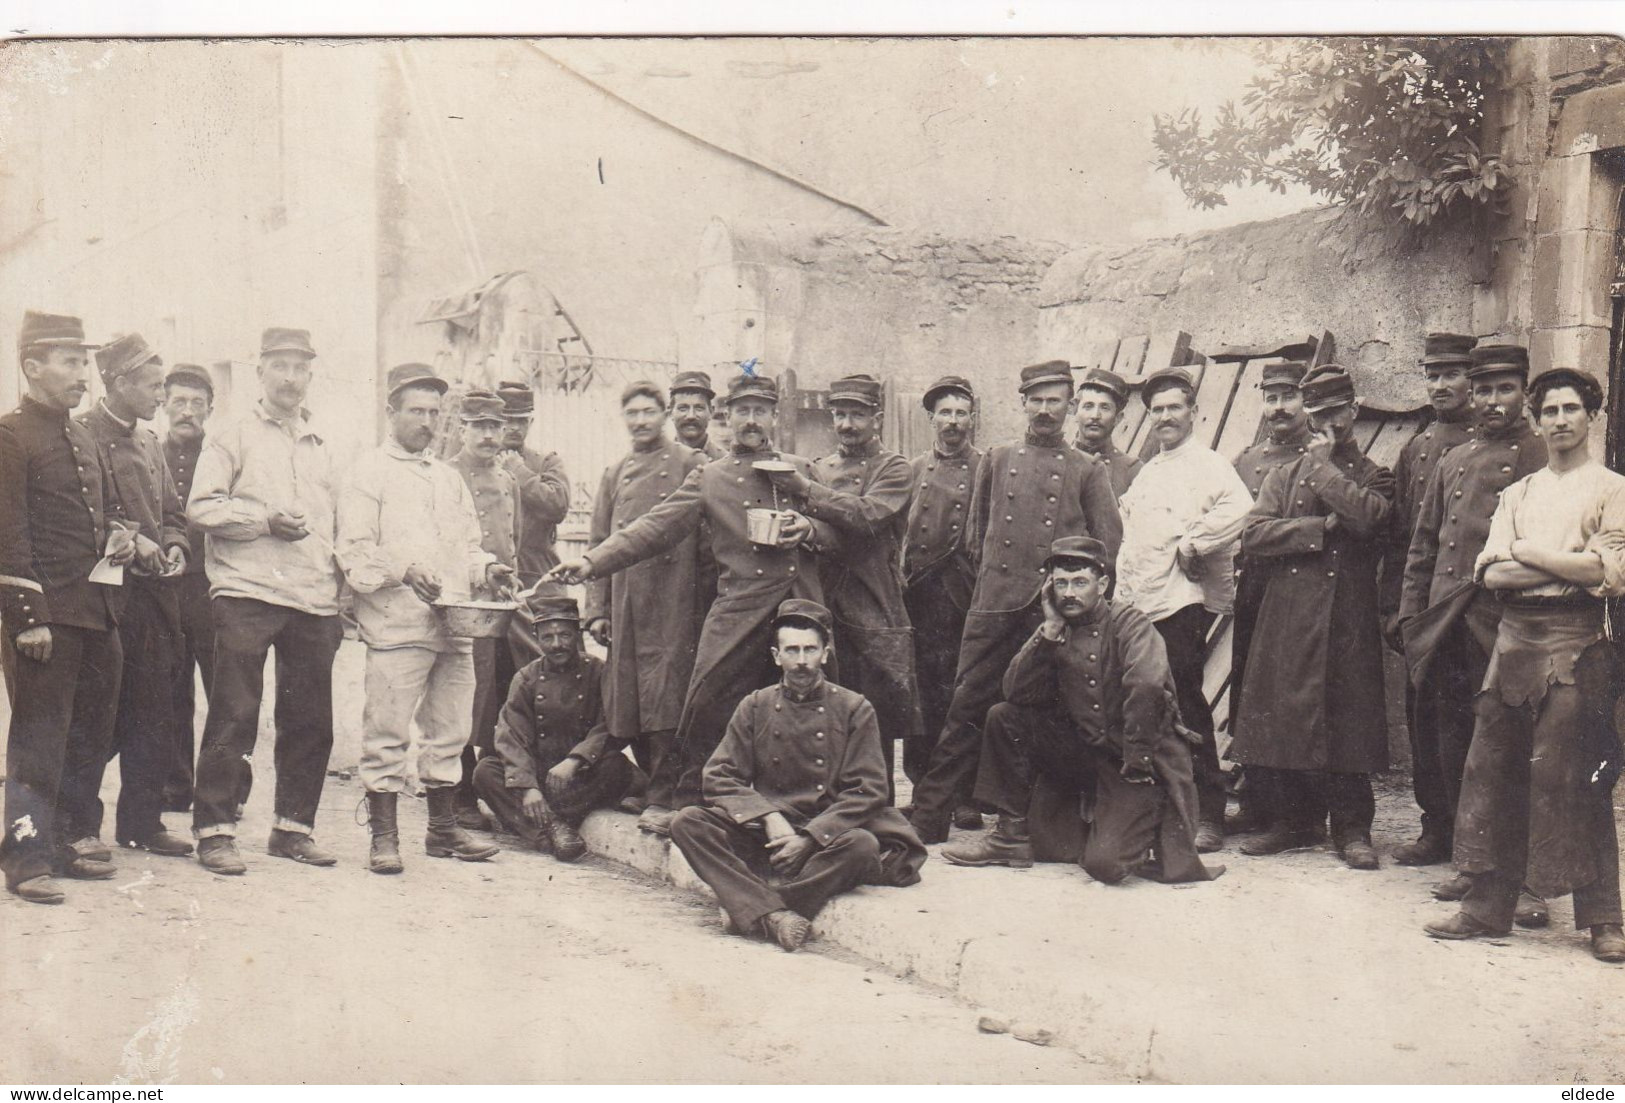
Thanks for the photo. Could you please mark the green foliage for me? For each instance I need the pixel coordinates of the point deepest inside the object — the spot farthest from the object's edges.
(1377, 124)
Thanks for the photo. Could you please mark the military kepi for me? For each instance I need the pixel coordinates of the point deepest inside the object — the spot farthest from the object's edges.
(51, 331)
(481, 406)
(946, 385)
(518, 400)
(414, 375)
(1286, 373)
(862, 389)
(752, 386)
(1447, 348)
(1162, 379)
(1326, 387)
(191, 375)
(124, 355)
(282, 339)
(1078, 549)
(1494, 359)
(800, 610)
(1050, 371)
(1109, 381)
(544, 609)
(693, 381)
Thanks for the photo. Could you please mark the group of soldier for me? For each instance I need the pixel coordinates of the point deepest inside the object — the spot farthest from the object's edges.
(1031, 622)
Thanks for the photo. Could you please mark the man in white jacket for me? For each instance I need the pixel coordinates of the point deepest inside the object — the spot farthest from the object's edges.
(1182, 521)
(408, 535)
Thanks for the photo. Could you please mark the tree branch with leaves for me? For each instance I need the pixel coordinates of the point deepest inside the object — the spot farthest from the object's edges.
(1375, 124)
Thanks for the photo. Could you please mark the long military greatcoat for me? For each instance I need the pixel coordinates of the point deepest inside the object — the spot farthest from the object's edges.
(1417, 461)
(652, 606)
(1252, 578)
(1314, 693)
(865, 496)
(752, 580)
(544, 501)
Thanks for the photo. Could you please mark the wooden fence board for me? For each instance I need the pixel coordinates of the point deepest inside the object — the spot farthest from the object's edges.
(1246, 409)
(1213, 399)
(1131, 361)
(1168, 348)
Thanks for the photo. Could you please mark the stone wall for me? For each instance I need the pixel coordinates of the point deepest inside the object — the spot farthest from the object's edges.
(906, 305)
(1260, 283)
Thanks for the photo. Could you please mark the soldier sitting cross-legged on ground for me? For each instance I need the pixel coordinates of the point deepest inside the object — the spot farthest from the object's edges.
(1090, 706)
(797, 788)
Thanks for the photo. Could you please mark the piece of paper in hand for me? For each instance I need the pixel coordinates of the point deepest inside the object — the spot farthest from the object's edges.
(106, 571)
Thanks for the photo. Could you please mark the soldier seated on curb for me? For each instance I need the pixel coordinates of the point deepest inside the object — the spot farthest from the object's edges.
(797, 788)
(1090, 707)
(555, 759)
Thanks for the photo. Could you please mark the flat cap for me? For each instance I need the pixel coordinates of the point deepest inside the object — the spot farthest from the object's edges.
(123, 355)
(282, 339)
(1162, 379)
(1287, 373)
(1084, 549)
(1448, 348)
(518, 400)
(862, 389)
(413, 375)
(943, 386)
(752, 386)
(52, 330)
(1494, 359)
(1109, 381)
(693, 381)
(191, 375)
(1050, 371)
(800, 609)
(1326, 387)
(481, 406)
(541, 609)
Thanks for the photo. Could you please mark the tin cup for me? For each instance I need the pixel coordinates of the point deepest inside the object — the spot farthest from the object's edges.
(764, 526)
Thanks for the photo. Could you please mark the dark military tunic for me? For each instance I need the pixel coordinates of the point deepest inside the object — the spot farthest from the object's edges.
(182, 460)
(939, 576)
(1451, 527)
(54, 502)
(544, 501)
(652, 606)
(865, 496)
(1417, 461)
(197, 630)
(1027, 495)
(138, 474)
(732, 658)
(1253, 465)
(550, 715)
(502, 534)
(1314, 696)
(1120, 466)
(817, 760)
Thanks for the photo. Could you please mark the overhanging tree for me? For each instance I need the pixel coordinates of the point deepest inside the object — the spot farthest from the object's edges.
(1376, 124)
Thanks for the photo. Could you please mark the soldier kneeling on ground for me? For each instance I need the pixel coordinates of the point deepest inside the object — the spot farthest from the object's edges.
(796, 789)
(1090, 710)
(555, 759)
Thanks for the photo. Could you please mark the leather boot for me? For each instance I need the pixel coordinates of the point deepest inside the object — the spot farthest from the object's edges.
(386, 836)
(1531, 911)
(1430, 848)
(1006, 845)
(1280, 839)
(447, 840)
(469, 816)
(563, 839)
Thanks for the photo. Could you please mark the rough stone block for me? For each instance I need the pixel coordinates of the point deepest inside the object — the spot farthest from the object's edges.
(1591, 121)
(1575, 194)
(1571, 277)
(1584, 347)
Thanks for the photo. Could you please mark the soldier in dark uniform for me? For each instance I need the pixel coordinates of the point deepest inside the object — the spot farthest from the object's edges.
(1091, 708)
(150, 623)
(1313, 704)
(556, 759)
(797, 788)
(188, 403)
(1286, 428)
(691, 398)
(1445, 360)
(1101, 397)
(649, 615)
(1027, 495)
(59, 644)
(938, 570)
(732, 659)
(863, 491)
(502, 534)
(544, 488)
(1447, 623)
